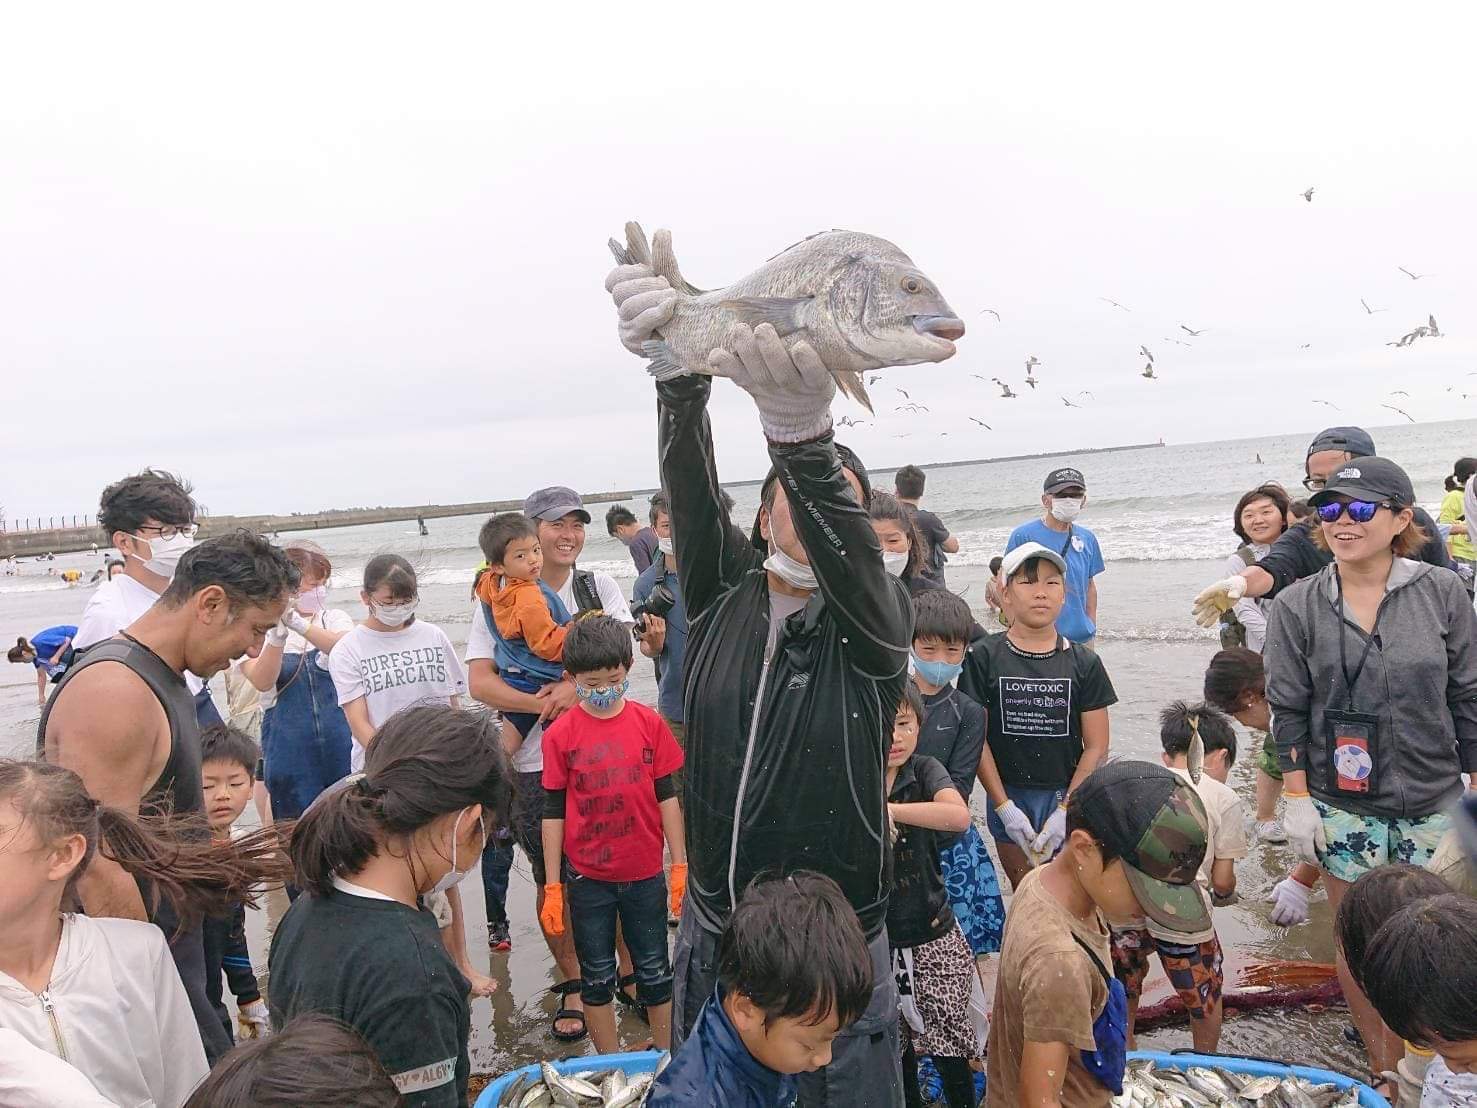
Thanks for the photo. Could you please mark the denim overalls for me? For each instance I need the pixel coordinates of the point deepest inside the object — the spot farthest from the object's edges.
(305, 736)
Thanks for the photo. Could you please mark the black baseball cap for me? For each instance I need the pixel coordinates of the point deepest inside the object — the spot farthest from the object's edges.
(1064, 478)
(554, 503)
(1351, 440)
(1375, 479)
(1155, 821)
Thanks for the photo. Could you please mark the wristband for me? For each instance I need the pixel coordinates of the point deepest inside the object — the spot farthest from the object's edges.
(1293, 796)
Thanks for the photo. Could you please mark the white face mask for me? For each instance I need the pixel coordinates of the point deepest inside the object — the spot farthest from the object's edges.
(797, 575)
(895, 561)
(395, 615)
(453, 877)
(164, 554)
(664, 543)
(1065, 509)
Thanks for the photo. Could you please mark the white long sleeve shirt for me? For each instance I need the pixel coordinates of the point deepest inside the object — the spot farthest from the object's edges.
(115, 1010)
(1249, 609)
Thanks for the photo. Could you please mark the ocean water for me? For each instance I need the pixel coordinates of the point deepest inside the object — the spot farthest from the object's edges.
(1162, 516)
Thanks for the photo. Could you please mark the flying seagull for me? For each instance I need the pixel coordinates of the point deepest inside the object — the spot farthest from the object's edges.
(1400, 392)
(914, 408)
(1031, 360)
(1305, 346)
(982, 423)
(1308, 196)
(1192, 333)
(1069, 404)
(992, 312)
(1089, 395)
(1005, 389)
(1177, 342)
(1425, 330)
(1144, 350)
(1370, 311)
(1115, 303)
(872, 380)
(1029, 379)
(1402, 411)
(847, 421)
(1328, 404)
(1412, 276)
(904, 392)
(1149, 372)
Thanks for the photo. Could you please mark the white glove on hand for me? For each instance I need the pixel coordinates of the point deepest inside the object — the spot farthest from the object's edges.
(1218, 598)
(1053, 834)
(1017, 824)
(294, 620)
(253, 1020)
(1304, 827)
(277, 636)
(643, 301)
(792, 390)
(1290, 902)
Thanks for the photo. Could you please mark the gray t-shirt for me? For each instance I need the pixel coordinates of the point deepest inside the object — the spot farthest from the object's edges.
(781, 608)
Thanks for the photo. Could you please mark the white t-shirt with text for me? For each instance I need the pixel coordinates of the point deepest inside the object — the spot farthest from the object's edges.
(391, 670)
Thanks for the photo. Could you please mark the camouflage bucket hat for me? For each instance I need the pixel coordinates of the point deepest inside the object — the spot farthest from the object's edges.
(1156, 823)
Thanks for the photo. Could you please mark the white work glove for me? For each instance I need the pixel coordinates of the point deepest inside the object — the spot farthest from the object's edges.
(253, 1020)
(1017, 824)
(294, 620)
(277, 636)
(792, 391)
(1290, 902)
(1304, 827)
(1053, 834)
(1218, 598)
(643, 301)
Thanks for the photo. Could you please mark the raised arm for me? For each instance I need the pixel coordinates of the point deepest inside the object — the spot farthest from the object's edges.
(712, 551)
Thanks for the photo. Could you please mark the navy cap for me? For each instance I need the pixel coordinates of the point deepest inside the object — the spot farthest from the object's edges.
(1064, 478)
(553, 503)
(1351, 440)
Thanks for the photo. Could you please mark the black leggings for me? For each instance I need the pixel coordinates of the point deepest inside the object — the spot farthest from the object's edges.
(958, 1079)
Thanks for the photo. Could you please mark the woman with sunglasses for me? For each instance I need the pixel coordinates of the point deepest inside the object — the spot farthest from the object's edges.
(1372, 682)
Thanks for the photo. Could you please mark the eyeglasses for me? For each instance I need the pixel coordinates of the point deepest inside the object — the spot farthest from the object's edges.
(1360, 511)
(167, 531)
(1314, 484)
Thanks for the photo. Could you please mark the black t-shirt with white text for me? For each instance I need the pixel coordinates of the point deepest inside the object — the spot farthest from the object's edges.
(1034, 705)
(380, 967)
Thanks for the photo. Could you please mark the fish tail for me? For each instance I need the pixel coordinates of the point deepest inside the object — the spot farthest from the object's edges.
(851, 386)
(636, 251)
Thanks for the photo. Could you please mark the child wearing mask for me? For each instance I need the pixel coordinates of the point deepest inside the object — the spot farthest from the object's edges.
(359, 944)
(1192, 961)
(609, 805)
(228, 760)
(931, 958)
(527, 619)
(103, 994)
(1047, 704)
(793, 973)
(1376, 898)
(953, 732)
(1136, 836)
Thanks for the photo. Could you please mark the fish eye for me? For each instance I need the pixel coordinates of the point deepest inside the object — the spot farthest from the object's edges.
(912, 285)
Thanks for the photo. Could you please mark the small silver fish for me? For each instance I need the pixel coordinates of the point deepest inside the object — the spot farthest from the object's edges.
(857, 299)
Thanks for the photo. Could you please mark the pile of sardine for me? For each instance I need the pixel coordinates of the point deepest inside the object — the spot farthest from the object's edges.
(1147, 1086)
(586, 1089)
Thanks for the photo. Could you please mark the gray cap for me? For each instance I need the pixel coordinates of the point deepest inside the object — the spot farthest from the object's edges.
(553, 503)
(1354, 441)
(1024, 553)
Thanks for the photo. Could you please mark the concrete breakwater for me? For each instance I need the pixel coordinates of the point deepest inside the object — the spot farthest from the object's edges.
(62, 540)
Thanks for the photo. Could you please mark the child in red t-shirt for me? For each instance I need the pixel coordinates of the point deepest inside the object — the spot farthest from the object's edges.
(610, 802)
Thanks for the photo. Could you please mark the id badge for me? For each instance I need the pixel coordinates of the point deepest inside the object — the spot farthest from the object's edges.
(1352, 752)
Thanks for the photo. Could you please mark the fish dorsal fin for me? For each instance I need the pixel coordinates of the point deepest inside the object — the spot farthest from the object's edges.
(664, 264)
(781, 312)
(636, 251)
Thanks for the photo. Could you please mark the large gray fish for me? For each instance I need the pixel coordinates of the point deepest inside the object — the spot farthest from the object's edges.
(857, 299)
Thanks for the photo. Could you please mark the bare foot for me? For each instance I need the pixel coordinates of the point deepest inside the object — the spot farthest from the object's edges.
(482, 985)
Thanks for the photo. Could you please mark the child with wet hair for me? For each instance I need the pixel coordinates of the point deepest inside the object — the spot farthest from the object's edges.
(1372, 900)
(793, 973)
(104, 994)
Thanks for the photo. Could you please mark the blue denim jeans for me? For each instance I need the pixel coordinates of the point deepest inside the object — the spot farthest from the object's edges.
(642, 909)
(497, 861)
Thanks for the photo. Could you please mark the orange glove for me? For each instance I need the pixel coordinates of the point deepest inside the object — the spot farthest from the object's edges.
(678, 886)
(552, 913)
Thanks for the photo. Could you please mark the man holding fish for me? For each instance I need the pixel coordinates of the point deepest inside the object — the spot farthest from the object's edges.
(798, 638)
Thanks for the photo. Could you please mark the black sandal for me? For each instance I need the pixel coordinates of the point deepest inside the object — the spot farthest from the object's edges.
(563, 1012)
(628, 999)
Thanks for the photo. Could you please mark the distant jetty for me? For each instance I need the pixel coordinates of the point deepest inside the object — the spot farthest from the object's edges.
(62, 540)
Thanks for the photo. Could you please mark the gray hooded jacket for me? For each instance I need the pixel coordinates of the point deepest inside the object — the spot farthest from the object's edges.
(1420, 680)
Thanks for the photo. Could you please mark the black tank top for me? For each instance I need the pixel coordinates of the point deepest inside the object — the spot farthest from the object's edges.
(178, 788)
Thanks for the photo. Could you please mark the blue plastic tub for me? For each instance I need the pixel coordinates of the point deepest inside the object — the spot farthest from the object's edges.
(1368, 1098)
(639, 1062)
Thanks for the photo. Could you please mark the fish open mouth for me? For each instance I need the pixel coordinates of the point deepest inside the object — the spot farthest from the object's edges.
(947, 327)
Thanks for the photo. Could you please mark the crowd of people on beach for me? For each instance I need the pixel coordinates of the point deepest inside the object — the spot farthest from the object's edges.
(796, 804)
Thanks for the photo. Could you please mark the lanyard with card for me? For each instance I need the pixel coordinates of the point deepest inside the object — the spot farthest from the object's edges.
(1352, 738)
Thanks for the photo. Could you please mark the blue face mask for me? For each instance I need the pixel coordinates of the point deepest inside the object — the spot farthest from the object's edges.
(937, 673)
(604, 697)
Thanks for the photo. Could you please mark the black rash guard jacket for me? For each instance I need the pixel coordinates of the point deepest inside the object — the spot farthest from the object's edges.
(785, 761)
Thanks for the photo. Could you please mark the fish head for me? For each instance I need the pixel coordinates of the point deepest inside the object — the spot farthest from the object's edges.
(903, 318)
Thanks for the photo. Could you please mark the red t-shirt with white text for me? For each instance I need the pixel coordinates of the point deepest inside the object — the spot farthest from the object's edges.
(612, 824)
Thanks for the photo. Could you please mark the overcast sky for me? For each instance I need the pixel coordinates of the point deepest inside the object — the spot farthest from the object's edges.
(319, 256)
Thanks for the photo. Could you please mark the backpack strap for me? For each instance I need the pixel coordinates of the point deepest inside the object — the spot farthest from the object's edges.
(1246, 554)
(1098, 962)
(586, 595)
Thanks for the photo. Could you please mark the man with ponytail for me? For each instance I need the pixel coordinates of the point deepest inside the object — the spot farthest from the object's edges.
(124, 720)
